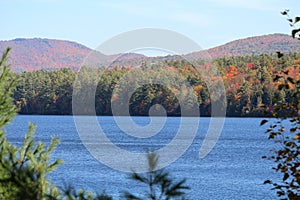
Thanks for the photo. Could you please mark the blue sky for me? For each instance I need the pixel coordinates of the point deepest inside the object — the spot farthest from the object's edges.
(91, 22)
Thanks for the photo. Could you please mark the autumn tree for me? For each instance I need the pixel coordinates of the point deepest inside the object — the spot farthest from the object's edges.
(285, 130)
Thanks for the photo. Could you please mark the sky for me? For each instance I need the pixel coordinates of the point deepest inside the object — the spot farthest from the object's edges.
(91, 22)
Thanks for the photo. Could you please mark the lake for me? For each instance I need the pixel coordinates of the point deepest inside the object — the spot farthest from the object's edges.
(234, 169)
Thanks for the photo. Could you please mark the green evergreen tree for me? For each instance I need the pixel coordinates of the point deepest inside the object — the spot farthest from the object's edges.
(23, 169)
(160, 184)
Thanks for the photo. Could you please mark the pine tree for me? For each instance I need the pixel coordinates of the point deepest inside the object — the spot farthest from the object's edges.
(22, 170)
(161, 186)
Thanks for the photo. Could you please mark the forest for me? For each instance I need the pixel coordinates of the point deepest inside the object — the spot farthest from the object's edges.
(248, 82)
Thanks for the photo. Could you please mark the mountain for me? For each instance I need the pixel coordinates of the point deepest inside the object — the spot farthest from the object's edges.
(37, 53)
(265, 44)
(34, 54)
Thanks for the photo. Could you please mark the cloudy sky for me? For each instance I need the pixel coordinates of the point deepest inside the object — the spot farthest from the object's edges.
(208, 22)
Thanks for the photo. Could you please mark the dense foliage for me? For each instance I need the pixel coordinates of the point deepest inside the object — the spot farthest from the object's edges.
(285, 129)
(34, 54)
(23, 169)
(48, 54)
(248, 83)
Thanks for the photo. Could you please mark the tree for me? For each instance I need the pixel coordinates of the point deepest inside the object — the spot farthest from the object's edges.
(285, 130)
(23, 169)
(295, 30)
(160, 185)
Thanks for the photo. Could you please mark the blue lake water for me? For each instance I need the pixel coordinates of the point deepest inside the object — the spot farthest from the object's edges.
(234, 169)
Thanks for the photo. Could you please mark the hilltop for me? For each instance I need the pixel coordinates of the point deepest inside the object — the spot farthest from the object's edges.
(37, 53)
(34, 54)
(265, 44)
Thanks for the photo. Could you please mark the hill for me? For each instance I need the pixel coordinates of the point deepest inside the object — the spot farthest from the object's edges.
(257, 45)
(265, 44)
(34, 54)
(37, 53)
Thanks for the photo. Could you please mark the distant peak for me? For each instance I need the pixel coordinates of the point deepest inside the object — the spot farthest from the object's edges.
(30, 54)
(19, 39)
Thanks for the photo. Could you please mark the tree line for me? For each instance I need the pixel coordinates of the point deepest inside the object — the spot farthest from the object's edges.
(24, 169)
(248, 84)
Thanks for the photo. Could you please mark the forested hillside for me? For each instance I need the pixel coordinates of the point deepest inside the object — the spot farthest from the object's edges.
(35, 54)
(265, 44)
(248, 82)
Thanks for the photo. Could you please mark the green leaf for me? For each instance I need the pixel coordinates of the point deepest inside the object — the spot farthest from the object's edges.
(267, 182)
(294, 32)
(286, 176)
(139, 178)
(292, 130)
(271, 136)
(287, 86)
(277, 77)
(285, 12)
(279, 54)
(263, 122)
(280, 193)
(290, 79)
(297, 19)
(280, 87)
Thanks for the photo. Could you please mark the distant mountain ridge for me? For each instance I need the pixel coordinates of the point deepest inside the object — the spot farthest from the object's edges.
(37, 53)
(265, 44)
(257, 45)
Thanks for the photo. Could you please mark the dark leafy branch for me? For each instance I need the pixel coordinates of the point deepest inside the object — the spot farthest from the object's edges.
(285, 130)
